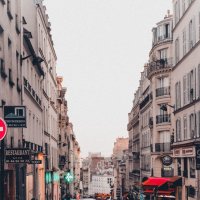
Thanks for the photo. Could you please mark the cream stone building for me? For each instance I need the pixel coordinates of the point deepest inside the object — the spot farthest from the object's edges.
(159, 73)
(134, 142)
(185, 95)
(11, 90)
(145, 116)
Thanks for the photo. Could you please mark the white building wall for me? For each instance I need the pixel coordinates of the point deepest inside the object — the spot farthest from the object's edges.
(100, 184)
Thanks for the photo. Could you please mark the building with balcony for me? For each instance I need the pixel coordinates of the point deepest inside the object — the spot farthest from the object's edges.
(134, 142)
(63, 139)
(145, 125)
(159, 73)
(185, 95)
(11, 90)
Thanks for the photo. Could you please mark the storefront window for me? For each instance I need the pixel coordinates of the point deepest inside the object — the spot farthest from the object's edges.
(179, 166)
(192, 167)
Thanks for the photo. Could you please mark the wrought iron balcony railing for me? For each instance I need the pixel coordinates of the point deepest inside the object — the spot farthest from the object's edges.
(159, 65)
(163, 119)
(146, 100)
(163, 147)
(162, 91)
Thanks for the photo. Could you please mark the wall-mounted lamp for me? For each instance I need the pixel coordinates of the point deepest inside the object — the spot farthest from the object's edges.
(164, 107)
(3, 103)
(36, 59)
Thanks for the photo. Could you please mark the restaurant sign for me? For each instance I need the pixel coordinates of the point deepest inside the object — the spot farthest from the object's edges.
(17, 155)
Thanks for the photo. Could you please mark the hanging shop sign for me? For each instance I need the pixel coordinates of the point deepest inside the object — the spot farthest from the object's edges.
(17, 155)
(197, 156)
(15, 116)
(167, 160)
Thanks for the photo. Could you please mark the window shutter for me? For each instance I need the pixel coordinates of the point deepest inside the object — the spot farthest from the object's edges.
(198, 81)
(194, 31)
(184, 90)
(188, 86)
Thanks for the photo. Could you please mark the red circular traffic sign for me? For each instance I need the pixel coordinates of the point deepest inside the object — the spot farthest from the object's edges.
(3, 129)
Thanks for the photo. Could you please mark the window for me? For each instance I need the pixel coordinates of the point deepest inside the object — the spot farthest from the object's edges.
(178, 130)
(177, 11)
(192, 167)
(192, 126)
(185, 167)
(178, 94)
(184, 42)
(192, 32)
(176, 51)
(191, 86)
(199, 25)
(165, 141)
(166, 31)
(179, 166)
(185, 90)
(185, 127)
(190, 35)
(183, 6)
(163, 54)
(199, 80)
(198, 124)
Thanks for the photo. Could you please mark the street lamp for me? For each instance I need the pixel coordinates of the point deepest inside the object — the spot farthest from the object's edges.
(164, 107)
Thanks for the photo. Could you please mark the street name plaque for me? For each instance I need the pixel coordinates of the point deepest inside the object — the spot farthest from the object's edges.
(17, 155)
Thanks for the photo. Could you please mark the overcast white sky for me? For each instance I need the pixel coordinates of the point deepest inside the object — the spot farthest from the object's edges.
(101, 47)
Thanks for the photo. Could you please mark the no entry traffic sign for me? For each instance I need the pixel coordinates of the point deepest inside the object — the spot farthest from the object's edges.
(3, 129)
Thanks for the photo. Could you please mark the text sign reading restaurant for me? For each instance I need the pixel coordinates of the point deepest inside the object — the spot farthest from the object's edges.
(17, 155)
(15, 116)
(197, 156)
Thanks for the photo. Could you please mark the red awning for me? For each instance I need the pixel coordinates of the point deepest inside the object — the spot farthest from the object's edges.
(153, 181)
(159, 192)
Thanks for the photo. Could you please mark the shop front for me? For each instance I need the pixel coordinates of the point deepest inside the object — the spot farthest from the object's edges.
(161, 188)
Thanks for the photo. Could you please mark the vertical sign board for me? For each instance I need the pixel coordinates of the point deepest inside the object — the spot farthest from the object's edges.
(197, 156)
(15, 116)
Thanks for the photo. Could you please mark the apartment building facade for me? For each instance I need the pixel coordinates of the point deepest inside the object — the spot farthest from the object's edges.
(10, 81)
(185, 95)
(159, 73)
(134, 142)
(28, 78)
(145, 114)
(156, 116)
